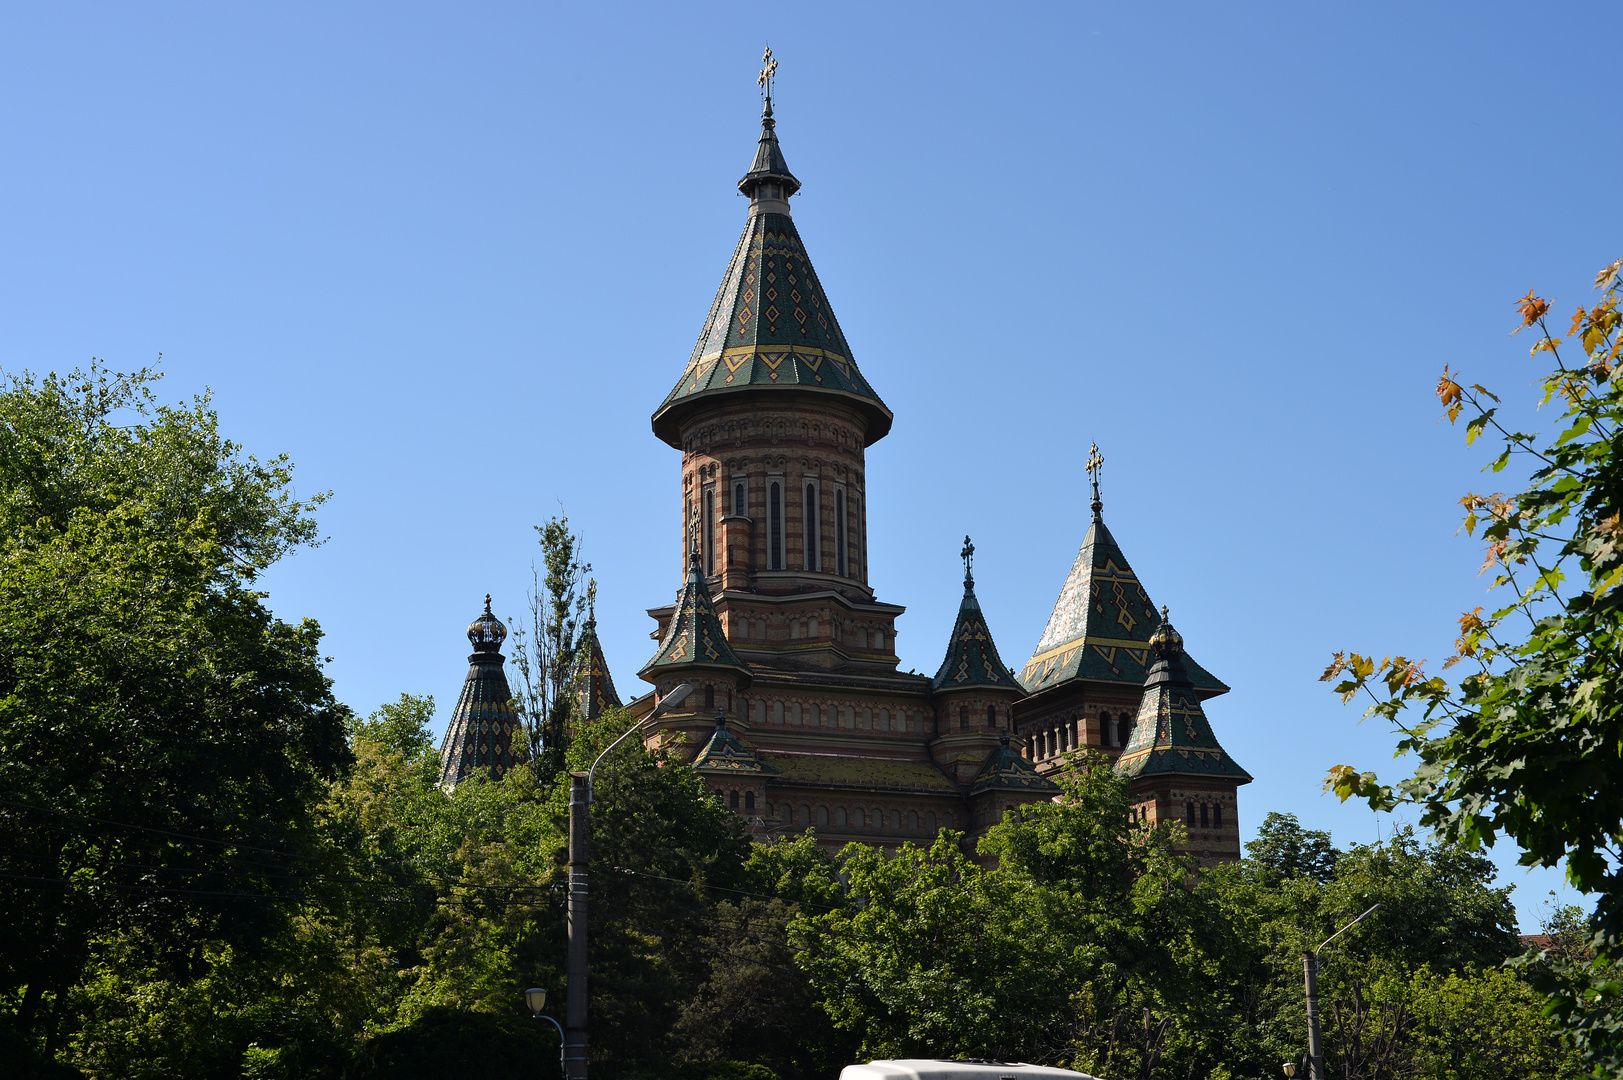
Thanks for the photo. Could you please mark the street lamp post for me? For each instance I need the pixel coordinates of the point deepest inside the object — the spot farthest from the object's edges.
(536, 998)
(1310, 975)
(580, 799)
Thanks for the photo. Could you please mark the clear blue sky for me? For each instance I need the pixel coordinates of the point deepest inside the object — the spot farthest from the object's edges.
(451, 257)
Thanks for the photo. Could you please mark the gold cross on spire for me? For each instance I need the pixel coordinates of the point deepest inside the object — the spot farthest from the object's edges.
(968, 555)
(1096, 464)
(769, 68)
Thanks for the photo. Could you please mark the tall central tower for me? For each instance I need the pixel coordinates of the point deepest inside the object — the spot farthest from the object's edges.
(773, 418)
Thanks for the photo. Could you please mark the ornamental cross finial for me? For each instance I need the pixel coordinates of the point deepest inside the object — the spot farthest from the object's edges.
(769, 68)
(968, 555)
(1096, 464)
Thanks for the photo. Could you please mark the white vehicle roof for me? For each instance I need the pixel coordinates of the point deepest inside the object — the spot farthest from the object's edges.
(928, 1069)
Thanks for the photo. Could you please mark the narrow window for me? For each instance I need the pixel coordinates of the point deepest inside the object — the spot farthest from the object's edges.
(1189, 809)
(991, 716)
(1217, 815)
(775, 525)
(839, 533)
(963, 718)
(709, 531)
(1204, 816)
(812, 524)
(709, 696)
(1124, 731)
(740, 507)
(732, 800)
(749, 800)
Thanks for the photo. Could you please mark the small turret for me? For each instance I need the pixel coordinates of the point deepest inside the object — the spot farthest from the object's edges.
(479, 737)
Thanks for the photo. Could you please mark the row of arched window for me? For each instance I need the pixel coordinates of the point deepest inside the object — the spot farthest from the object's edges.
(832, 716)
(810, 627)
(1210, 814)
(1063, 738)
(835, 554)
(873, 819)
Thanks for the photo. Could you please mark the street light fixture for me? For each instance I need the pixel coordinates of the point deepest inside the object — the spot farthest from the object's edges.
(536, 999)
(580, 798)
(1290, 1070)
(1310, 975)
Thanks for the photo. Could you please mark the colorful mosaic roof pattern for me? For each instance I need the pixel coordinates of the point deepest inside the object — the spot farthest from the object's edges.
(1171, 734)
(694, 637)
(1006, 770)
(479, 737)
(770, 326)
(871, 774)
(1101, 624)
(972, 658)
(594, 688)
(726, 754)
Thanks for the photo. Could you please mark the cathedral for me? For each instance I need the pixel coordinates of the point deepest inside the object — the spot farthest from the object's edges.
(800, 719)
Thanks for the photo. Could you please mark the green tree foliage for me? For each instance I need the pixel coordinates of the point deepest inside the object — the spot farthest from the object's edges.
(1285, 851)
(544, 651)
(1530, 742)
(144, 683)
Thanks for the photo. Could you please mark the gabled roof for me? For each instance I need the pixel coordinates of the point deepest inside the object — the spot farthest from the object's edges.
(694, 637)
(479, 738)
(1101, 624)
(1171, 734)
(594, 687)
(725, 753)
(770, 326)
(972, 658)
(1006, 770)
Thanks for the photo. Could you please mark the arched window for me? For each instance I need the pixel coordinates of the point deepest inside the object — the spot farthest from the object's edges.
(822, 815)
(1107, 729)
(774, 515)
(1124, 731)
(1217, 815)
(749, 801)
(740, 505)
(708, 501)
(879, 639)
(929, 824)
(839, 533)
(732, 800)
(709, 696)
(1204, 816)
(884, 719)
(839, 817)
(991, 716)
(913, 820)
(963, 718)
(895, 821)
(813, 522)
(1189, 811)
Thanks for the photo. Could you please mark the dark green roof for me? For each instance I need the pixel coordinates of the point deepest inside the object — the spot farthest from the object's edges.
(694, 637)
(1171, 734)
(1006, 770)
(594, 687)
(725, 753)
(972, 658)
(1101, 624)
(479, 738)
(768, 163)
(771, 326)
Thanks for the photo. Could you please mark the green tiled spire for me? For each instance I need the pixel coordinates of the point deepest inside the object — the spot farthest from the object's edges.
(479, 738)
(724, 753)
(972, 658)
(1171, 733)
(1006, 770)
(594, 687)
(1101, 625)
(770, 326)
(694, 637)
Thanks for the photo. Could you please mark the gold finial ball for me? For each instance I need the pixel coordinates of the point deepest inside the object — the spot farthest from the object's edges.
(1166, 638)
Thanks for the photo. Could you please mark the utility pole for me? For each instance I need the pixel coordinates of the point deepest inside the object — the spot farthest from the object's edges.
(576, 1043)
(1310, 975)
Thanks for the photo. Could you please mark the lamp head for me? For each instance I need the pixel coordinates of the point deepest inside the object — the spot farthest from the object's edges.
(1290, 1069)
(679, 693)
(536, 999)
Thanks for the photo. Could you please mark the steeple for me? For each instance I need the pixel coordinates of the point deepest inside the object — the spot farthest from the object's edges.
(972, 658)
(479, 737)
(594, 688)
(770, 327)
(694, 637)
(1171, 734)
(1101, 624)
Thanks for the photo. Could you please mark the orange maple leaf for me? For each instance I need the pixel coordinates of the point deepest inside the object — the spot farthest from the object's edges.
(1532, 309)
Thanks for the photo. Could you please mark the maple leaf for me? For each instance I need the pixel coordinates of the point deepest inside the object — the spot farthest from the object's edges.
(1608, 275)
(1532, 309)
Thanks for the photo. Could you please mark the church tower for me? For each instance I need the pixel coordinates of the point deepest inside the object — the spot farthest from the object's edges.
(801, 719)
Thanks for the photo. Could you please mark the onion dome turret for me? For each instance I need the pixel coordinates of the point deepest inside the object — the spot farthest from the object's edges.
(479, 738)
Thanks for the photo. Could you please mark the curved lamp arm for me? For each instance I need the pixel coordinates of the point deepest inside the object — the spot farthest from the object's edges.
(1343, 930)
(670, 701)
